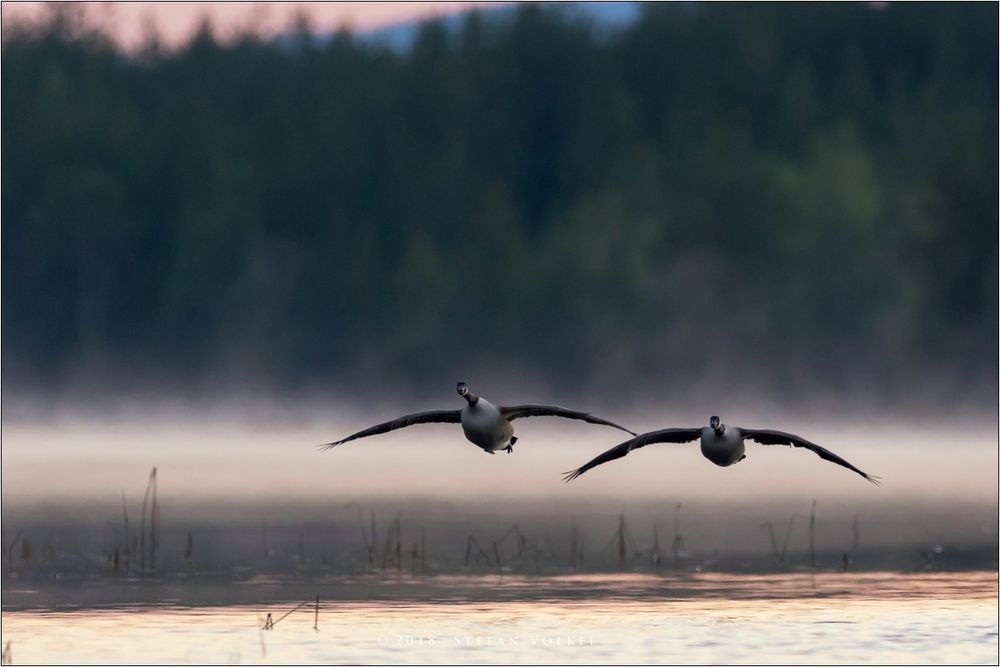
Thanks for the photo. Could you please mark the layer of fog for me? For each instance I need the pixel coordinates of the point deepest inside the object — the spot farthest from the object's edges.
(257, 453)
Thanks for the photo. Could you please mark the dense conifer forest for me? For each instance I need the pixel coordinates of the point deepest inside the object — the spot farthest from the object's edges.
(797, 195)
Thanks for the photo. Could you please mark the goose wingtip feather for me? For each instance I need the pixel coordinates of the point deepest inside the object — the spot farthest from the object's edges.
(570, 475)
(329, 445)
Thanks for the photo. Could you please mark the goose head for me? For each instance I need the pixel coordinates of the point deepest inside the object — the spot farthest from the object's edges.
(463, 391)
(717, 425)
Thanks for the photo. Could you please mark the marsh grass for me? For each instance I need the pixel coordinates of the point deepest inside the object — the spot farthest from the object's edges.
(107, 550)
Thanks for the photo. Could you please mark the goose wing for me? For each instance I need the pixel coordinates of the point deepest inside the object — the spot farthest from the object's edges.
(518, 411)
(449, 416)
(769, 437)
(676, 435)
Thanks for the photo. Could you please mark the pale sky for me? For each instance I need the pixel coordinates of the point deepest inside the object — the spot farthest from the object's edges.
(175, 21)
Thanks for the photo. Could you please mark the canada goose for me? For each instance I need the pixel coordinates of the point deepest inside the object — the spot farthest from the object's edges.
(721, 445)
(487, 426)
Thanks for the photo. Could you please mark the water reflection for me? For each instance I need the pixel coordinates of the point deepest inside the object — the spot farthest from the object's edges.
(865, 618)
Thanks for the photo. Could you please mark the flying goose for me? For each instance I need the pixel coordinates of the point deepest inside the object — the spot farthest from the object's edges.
(720, 445)
(487, 426)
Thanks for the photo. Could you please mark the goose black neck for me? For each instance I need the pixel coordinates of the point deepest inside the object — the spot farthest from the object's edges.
(471, 398)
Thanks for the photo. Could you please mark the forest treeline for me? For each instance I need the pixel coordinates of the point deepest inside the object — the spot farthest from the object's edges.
(789, 195)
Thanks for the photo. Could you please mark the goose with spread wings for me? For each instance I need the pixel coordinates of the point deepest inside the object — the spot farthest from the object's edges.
(721, 445)
(487, 426)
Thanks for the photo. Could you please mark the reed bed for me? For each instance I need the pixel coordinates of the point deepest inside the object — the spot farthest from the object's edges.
(349, 548)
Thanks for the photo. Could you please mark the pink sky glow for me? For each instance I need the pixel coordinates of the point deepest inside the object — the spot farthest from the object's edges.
(129, 22)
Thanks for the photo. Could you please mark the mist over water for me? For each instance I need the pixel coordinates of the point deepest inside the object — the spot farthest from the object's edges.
(270, 451)
(222, 474)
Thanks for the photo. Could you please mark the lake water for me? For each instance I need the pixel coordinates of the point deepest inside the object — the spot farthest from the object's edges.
(876, 618)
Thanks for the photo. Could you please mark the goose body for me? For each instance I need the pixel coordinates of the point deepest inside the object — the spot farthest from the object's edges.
(485, 425)
(723, 449)
(722, 445)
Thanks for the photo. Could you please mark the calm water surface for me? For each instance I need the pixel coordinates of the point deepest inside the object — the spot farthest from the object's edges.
(794, 618)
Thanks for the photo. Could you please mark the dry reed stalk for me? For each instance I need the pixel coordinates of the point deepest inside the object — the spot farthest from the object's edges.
(774, 541)
(788, 535)
(9, 552)
(621, 542)
(399, 549)
(270, 622)
(260, 633)
(369, 542)
(423, 549)
(573, 546)
(154, 540)
(154, 525)
(128, 550)
(481, 553)
(812, 535)
(386, 549)
(371, 549)
(678, 544)
(496, 554)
